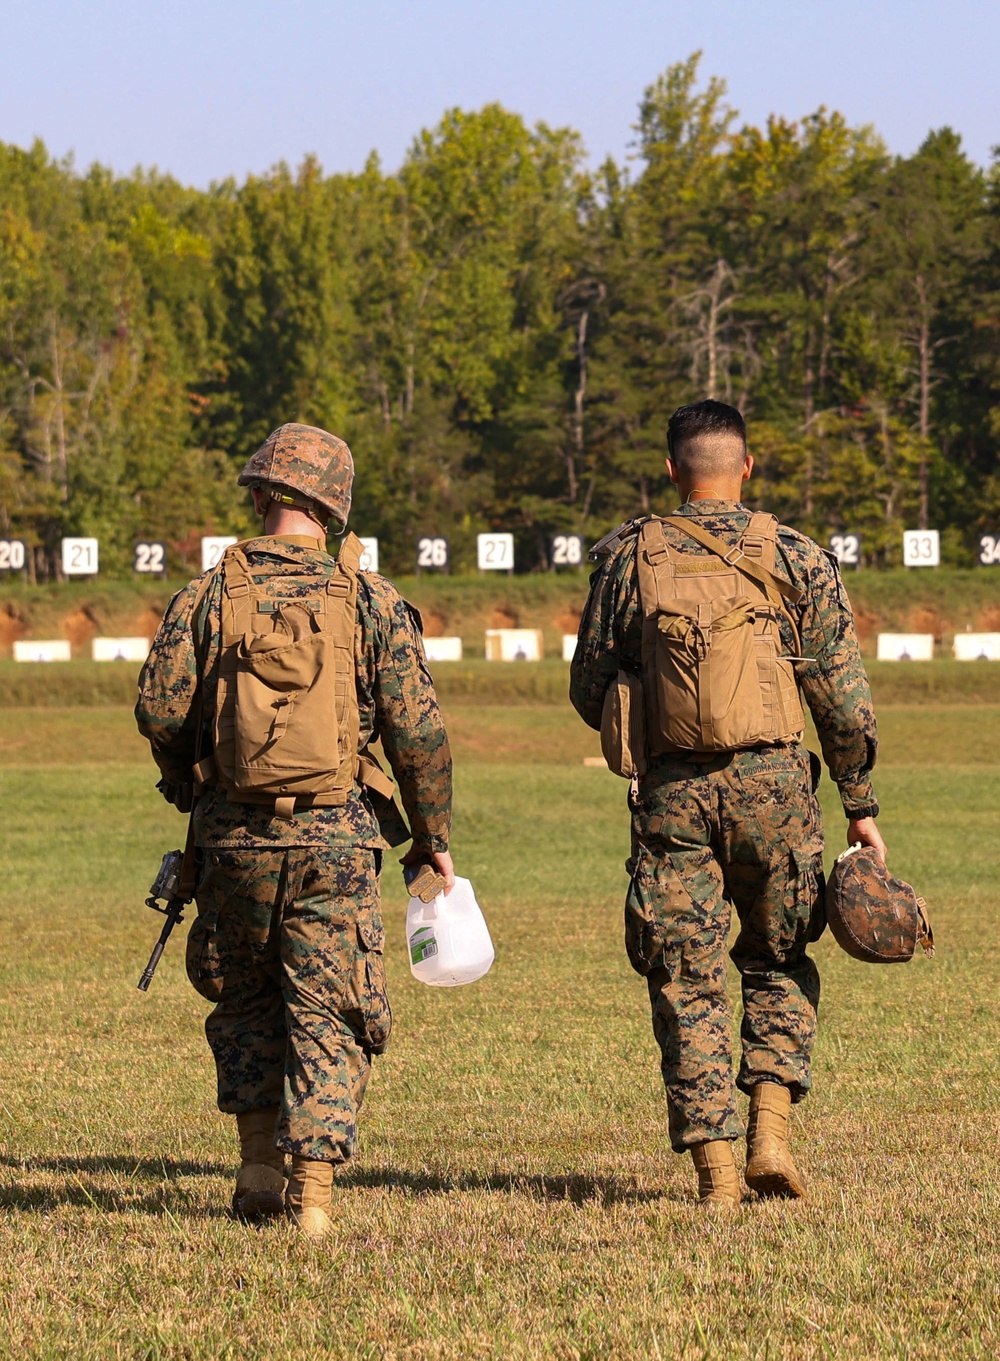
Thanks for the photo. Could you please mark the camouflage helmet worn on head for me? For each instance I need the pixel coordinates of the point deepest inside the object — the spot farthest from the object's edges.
(874, 916)
(309, 462)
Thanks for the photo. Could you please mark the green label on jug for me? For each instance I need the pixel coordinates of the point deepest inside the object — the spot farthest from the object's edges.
(422, 945)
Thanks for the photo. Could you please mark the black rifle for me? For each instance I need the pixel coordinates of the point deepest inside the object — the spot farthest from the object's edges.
(172, 884)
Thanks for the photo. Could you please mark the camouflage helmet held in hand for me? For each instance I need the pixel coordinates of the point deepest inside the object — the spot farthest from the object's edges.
(314, 469)
(874, 916)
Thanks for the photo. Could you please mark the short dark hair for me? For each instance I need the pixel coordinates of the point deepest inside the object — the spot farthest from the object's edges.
(704, 418)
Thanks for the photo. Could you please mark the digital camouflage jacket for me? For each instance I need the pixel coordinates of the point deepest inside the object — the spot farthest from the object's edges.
(395, 696)
(834, 684)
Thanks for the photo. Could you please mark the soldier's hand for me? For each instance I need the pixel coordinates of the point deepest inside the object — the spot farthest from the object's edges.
(865, 831)
(441, 860)
(444, 864)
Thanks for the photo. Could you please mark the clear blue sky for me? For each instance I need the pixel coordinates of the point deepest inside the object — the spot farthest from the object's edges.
(222, 87)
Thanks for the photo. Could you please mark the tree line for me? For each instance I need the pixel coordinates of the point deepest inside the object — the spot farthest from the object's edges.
(500, 332)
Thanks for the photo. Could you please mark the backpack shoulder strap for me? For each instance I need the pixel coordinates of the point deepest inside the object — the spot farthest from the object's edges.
(655, 567)
(735, 556)
(237, 592)
(351, 550)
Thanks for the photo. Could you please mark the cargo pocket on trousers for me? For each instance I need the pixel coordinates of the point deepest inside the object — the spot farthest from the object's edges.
(376, 1014)
(203, 957)
(643, 936)
(804, 907)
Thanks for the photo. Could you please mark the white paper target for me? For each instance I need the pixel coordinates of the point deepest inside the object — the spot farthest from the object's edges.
(905, 647)
(47, 650)
(989, 550)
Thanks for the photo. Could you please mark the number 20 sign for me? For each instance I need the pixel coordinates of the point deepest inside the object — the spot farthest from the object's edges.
(12, 555)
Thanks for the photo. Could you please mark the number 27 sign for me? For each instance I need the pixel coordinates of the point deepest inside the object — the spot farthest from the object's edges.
(495, 552)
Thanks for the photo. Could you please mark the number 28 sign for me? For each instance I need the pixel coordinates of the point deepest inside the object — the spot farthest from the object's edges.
(566, 550)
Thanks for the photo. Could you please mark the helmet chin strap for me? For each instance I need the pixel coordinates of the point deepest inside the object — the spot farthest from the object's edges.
(293, 503)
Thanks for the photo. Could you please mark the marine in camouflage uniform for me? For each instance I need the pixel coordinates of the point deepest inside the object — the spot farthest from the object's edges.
(288, 938)
(740, 829)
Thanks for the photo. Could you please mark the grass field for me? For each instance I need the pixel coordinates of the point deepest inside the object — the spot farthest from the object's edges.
(515, 1194)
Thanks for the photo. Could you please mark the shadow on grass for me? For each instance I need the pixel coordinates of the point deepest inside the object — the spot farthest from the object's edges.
(577, 1188)
(78, 1188)
(125, 1196)
(163, 1168)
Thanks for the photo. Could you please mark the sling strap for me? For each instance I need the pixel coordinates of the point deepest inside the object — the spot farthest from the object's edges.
(734, 555)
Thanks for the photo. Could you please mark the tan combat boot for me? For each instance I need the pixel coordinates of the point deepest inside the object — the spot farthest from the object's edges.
(308, 1195)
(718, 1179)
(770, 1169)
(261, 1178)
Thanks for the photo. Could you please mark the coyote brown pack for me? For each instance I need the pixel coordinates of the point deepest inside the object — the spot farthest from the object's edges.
(286, 710)
(715, 676)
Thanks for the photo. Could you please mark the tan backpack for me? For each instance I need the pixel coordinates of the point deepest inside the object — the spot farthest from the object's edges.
(287, 722)
(714, 675)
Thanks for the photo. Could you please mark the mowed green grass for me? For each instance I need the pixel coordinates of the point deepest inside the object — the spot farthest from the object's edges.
(514, 1194)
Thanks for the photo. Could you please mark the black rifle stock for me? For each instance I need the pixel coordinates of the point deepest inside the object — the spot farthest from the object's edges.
(174, 885)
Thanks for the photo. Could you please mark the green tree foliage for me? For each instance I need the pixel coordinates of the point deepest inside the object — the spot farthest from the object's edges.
(501, 334)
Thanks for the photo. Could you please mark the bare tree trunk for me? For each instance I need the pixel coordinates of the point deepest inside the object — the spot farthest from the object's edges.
(924, 401)
(408, 398)
(60, 412)
(808, 416)
(575, 456)
(712, 338)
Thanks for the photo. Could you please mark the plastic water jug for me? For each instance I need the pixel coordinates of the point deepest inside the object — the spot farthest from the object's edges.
(448, 939)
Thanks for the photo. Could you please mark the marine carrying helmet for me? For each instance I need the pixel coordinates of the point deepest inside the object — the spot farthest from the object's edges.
(874, 916)
(308, 463)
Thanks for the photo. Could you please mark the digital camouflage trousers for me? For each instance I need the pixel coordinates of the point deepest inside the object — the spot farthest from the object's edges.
(288, 945)
(739, 831)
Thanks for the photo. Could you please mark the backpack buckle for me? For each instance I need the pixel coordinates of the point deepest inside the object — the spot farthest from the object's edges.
(728, 557)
